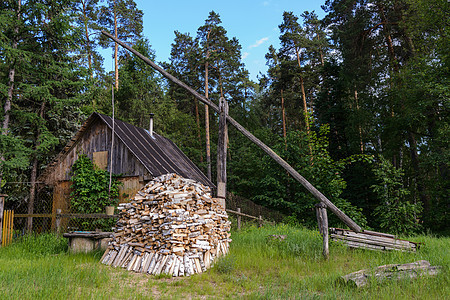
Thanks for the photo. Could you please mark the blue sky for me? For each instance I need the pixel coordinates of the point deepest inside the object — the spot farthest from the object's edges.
(253, 22)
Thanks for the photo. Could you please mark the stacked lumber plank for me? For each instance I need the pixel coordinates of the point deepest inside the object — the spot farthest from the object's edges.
(172, 226)
(371, 240)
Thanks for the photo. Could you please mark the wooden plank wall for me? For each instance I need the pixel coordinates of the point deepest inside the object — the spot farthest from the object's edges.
(130, 186)
(97, 138)
(61, 196)
(61, 193)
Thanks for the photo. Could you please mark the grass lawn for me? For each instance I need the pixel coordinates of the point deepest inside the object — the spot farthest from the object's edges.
(40, 268)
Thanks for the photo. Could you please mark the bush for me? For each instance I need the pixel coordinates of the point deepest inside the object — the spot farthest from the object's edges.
(395, 213)
(90, 192)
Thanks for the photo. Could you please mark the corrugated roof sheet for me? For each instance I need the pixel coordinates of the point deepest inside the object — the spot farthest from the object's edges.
(158, 154)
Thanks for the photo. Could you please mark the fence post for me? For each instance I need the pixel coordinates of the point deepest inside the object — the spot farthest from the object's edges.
(58, 221)
(2, 205)
(239, 219)
(260, 221)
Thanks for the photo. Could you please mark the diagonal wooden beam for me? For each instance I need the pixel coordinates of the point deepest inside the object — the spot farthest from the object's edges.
(316, 193)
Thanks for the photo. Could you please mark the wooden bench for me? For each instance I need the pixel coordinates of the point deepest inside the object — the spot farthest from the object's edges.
(86, 241)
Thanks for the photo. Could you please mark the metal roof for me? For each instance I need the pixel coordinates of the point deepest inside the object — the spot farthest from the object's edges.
(158, 154)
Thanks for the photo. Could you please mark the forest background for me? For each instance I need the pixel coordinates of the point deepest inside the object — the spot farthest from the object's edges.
(356, 101)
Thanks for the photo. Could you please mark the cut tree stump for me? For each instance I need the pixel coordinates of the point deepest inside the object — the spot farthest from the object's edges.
(390, 272)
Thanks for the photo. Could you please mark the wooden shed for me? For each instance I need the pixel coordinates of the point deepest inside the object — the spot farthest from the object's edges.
(137, 156)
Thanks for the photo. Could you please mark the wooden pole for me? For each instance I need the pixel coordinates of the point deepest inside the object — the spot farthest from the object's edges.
(260, 221)
(222, 152)
(322, 220)
(11, 228)
(58, 221)
(343, 217)
(2, 206)
(326, 250)
(4, 229)
(319, 217)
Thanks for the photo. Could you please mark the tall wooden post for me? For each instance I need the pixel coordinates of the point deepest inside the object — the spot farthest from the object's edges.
(2, 206)
(322, 220)
(326, 250)
(222, 152)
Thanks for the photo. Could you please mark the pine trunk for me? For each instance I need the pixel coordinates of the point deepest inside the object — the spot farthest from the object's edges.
(305, 105)
(197, 120)
(33, 177)
(11, 82)
(208, 143)
(361, 145)
(87, 45)
(11, 77)
(208, 146)
(283, 115)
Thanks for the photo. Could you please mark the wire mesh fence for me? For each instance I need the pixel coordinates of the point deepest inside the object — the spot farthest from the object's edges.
(44, 217)
(86, 222)
(36, 217)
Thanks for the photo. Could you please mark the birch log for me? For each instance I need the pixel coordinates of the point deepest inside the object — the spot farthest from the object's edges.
(392, 272)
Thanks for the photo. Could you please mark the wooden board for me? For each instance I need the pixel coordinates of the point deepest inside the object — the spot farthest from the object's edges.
(100, 159)
(61, 196)
(129, 188)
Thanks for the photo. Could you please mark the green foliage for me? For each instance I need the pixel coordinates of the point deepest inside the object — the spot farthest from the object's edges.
(90, 191)
(291, 221)
(15, 156)
(395, 213)
(266, 183)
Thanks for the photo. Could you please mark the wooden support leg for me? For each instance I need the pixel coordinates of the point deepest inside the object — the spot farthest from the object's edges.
(319, 216)
(322, 220)
(326, 251)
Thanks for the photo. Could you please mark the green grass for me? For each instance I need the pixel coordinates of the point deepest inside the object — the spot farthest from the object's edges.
(256, 268)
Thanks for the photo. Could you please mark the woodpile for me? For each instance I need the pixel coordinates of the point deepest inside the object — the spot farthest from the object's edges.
(371, 240)
(171, 226)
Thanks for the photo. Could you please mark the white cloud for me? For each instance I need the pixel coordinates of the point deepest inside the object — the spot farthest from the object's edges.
(259, 42)
(244, 55)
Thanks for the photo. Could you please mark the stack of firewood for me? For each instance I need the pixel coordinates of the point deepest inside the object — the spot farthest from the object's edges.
(171, 226)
